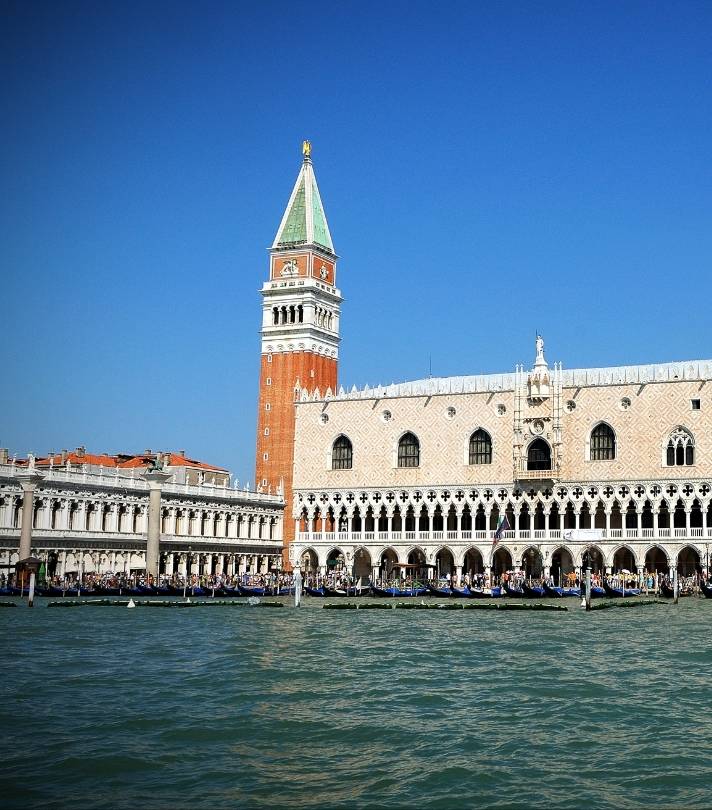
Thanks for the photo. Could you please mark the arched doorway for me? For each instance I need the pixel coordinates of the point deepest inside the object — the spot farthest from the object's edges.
(656, 561)
(309, 562)
(335, 562)
(388, 563)
(624, 560)
(688, 562)
(532, 563)
(444, 563)
(593, 558)
(417, 566)
(362, 566)
(473, 563)
(562, 564)
(501, 562)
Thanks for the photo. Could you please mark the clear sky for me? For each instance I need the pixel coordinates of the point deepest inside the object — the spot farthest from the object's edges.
(488, 170)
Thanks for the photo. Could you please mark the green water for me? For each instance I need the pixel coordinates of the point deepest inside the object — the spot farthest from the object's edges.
(246, 707)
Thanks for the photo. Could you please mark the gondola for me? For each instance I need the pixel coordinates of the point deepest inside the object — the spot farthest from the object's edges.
(106, 590)
(397, 592)
(246, 590)
(315, 591)
(55, 591)
(575, 592)
(533, 591)
(350, 591)
(443, 593)
(553, 591)
(481, 593)
(510, 590)
(706, 589)
(618, 593)
(668, 591)
(462, 593)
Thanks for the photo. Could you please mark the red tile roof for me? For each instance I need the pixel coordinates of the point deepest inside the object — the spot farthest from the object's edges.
(124, 460)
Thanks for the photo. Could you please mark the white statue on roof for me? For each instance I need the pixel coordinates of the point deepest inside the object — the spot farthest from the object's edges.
(539, 379)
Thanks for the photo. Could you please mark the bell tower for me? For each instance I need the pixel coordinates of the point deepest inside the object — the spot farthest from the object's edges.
(301, 307)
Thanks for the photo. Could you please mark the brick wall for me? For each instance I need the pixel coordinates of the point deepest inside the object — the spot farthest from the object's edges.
(277, 381)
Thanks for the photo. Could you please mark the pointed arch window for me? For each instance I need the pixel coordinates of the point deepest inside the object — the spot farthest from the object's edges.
(409, 451)
(539, 455)
(603, 443)
(480, 447)
(680, 448)
(342, 454)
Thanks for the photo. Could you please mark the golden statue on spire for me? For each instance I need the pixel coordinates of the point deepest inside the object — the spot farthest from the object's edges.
(306, 149)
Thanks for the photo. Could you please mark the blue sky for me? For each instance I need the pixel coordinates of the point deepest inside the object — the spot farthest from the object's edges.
(487, 169)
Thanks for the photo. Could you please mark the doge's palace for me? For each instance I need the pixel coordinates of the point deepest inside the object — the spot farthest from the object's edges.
(607, 466)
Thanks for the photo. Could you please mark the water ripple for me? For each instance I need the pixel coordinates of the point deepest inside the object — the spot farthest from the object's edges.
(259, 708)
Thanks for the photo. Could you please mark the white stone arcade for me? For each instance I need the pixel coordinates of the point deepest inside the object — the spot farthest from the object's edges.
(98, 522)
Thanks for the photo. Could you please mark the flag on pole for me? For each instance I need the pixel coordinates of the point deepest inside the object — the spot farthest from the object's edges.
(502, 527)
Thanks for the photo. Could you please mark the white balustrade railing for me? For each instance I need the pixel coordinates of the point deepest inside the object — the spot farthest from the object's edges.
(116, 478)
(523, 536)
(103, 537)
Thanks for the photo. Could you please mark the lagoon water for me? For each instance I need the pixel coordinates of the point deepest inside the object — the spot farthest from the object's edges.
(247, 707)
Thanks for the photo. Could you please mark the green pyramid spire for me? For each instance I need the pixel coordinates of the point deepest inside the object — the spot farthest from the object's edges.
(304, 220)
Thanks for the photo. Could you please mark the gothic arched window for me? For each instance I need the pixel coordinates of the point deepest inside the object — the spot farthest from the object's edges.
(480, 447)
(603, 443)
(409, 451)
(680, 448)
(539, 455)
(342, 454)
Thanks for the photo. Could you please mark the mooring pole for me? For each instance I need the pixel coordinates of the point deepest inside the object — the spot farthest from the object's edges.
(675, 585)
(588, 588)
(297, 587)
(31, 595)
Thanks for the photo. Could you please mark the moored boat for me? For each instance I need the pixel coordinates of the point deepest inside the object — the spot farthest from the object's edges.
(619, 593)
(533, 591)
(314, 591)
(462, 593)
(443, 593)
(510, 590)
(553, 591)
(668, 591)
(397, 592)
(706, 589)
(486, 593)
(246, 590)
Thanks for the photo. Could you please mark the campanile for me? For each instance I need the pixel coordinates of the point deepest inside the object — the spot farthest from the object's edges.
(301, 307)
